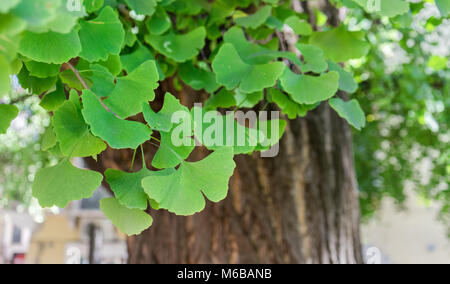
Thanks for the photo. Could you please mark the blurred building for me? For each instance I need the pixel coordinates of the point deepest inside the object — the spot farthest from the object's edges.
(81, 234)
(410, 236)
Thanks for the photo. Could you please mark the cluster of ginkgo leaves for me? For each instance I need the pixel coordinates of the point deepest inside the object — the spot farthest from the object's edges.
(97, 64)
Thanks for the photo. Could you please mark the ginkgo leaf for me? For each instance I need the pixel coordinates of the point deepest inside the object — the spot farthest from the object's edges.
(7, 114)
(350, 111)
(346, 81)
(300, 27)
(244, 100)
(252, 53)
(160, 22)
(103, 82)
(179, 47)
(385, 8)
(216, 131)
(63, 21)
(132, 90)
(169, 155)
(63, 183)
(50, 47)
(232, 72)
(143, 7)
(271, 135)
(314, 59)
(255, 20)
(127, 187)
(118, 133)
(51, 101)
(42, 70)
(223, 99)
(37, 13)
(305, 89)
(113, 64)
(182, 191)
(162, 121)
(340, 45)
(48, 139)
(93, 5)
(5, 82)
(73, 133)
(9, 45)
(128, 221)
(101, 36)
(198, 78)
(134, 60)
(35, 85)
(287, 105)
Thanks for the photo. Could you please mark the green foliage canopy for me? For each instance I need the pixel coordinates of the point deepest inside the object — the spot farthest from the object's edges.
(96, 67)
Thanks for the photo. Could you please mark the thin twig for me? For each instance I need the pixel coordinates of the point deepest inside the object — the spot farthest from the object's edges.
(77, 74)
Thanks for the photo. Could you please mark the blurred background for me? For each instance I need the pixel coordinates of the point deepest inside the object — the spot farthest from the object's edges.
(402, 159)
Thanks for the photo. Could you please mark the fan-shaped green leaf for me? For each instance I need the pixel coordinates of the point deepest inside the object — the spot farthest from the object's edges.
(63, 183)
(128, 221)
(37, 13)
(255, 20)
(132, 90)
(93, 5)
(50, 47)
(51, 101)
(287, 105)
(300, 27)
(198, 78)
(42, 70)
(73, 133)
(160, 22)
(340, 45)
(350, 111)
(101, 36)
(127, 187)
(142, 7)
(162, 121)
(223, 99)
(7, 114)
(170, 155)
(314, 58)
(232, 72)
(305, 89)
(182, 191)
(118, 133)
(346, 81)
(179, 47)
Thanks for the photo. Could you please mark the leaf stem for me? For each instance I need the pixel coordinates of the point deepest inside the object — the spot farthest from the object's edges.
(77, 74)
(132, 161)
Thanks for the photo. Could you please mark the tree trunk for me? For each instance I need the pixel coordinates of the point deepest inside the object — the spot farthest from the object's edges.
(299, 207)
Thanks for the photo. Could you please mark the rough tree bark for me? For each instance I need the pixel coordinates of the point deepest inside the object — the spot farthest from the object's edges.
(299, 207)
